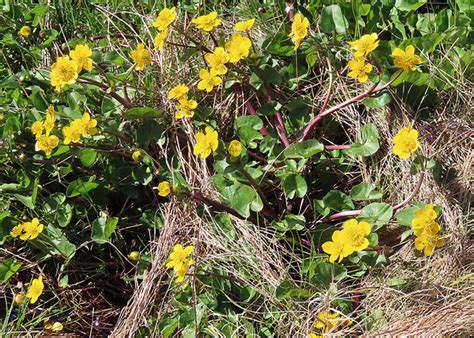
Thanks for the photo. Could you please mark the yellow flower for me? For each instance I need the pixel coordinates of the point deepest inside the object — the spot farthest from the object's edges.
(183, 270)
(428, 241)
(160, 39)
(235, 148)
(31, 230)
(37, 128)
(336, 248)
(71, 134)
(16, 231)
(55, 327)
(238, 47)
(424, 217)
(405, 142)
(178, 92)
(81, 56)
(134, 256)
(164, 188)
(365, 45)
(359, 69)
(217, 60)
(244, 26)
(63, 72)
(206, 143)
(355, 234)
(186, 108)
(137, 156)
(314, 335)
(141, 57)
(165, 18)
(299, 29)
(50, 120)
(208, 80)
(207, 22)
(20, 298)
(46, 143)
(330, 322)
(35, 290)
(406, 60)
(178, 256)
(25, 31)
(89, 126)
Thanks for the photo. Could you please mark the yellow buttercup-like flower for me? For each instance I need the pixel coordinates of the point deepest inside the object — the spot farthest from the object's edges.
(330, 322)
(183, 270)
(428, 242)
(178, 92)
(164, 188)
(405, 142)
(207, 22)
(299, 29)
(81, 56)
(235, 148)
(365, 45)
(20, 298)
(335, 248)
(406, 59)
(50, 120)
(63, 72)
(137, 156)
(356, 233)
(37, 128)
(217, 60)
(25, 31)
(55, 327)
(88, 125)
(141, 56)
(165, 18)
(426, 230)
(27, 230)
(35, 290)
(46, 143)
(424, 217)
(180, 262)
(238, 47)
(359, 69)
(160, 39)
(208, 80)
(186, 108)
(71, 134)
(206, 143)
(244, 26)
(134, 256)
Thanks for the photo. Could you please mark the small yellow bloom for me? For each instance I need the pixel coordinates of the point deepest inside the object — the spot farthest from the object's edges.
(217, 61)
(244, 26)
(406, 60)
(424, 217)
(427, 242)
(336, 248)
(37, 128)
(160, 39)
(186, 108)
(89, 126)
(55, 327)
(141, 56)
(365, 45)
(180, 262)
(178, 92)
(235, 148)
(81, 56)
(164, 188)
(46, 143)
(405, 142)
(20, 298)
(137, 156)
(25, 31)
(35, 290)
(134, 256)
(183, 270)
(355, 234)
(71, 134)
(359, 69)
(238, 47)
(299, 29)
(206, 143)
(63, 72)
(208, 80)
(207, 22)
(50, 119)
(165, 18)
(330, 322)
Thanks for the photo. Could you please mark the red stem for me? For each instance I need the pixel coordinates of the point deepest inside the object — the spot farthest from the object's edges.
(337, 147)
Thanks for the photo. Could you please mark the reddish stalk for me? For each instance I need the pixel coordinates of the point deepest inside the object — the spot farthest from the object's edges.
(337, 147)
(252, 111)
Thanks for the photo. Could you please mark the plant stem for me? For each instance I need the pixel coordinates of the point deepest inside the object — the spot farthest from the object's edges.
(103, 88)
(254, 184)
(337, 147)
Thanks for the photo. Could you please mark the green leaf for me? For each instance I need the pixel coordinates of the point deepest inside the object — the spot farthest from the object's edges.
(81, 187)
(367, 144)
(103, 228)
(405, 216)
(337, 200)
(142, 112)
(377, 214)
(290, 222)
(408, 5)
(27, 201)
(242, 198)
(295, 185)
(49, 36)
(269, 108)
(327, 273)
(287, 290)
(304, 149)
(332, 20)
(365, 191)
(88, 157)
(379, 101)
(8, 268)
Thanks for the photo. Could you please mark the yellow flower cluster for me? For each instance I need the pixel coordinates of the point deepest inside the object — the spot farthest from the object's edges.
(206, 143)
(361, 48)
(141, 56)
(66, 69)
(329, 322)
(78, 128)
(42, 129)
(299, 29)
(426, 230)
(186, 106)
(352, 238)
(180, 262)
(165, 18)
(405, 142)
(27, 230)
